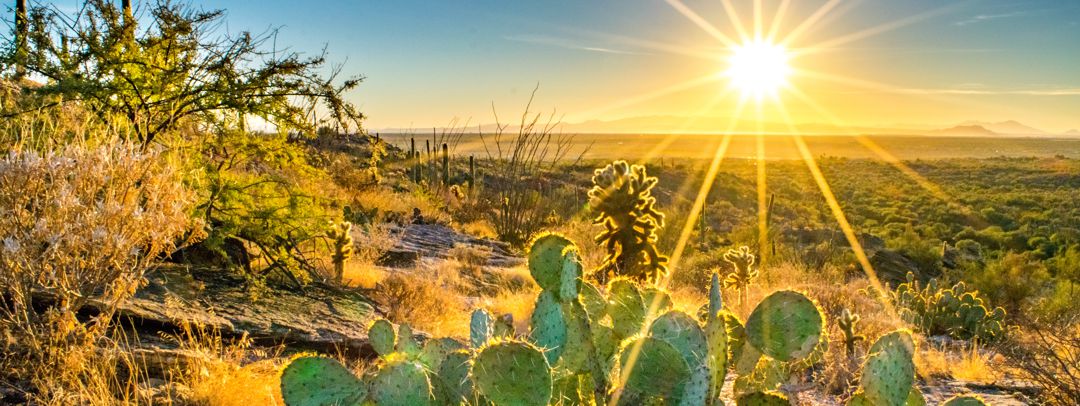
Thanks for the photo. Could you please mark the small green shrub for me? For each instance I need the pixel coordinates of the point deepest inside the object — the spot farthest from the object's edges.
(954, 310)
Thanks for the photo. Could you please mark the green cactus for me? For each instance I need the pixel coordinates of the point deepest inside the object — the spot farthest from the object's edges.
(406, 342)
(716, 337)
(512, 373)
(847, 324)
(436, 350)
(578, 347)
(546, 260)
(626, 307)
(480, 328)
(455, 384)
(547, 326)
(966, 400)
(317, 381)
(743, 274)
(341, 239)
(656, 301)
(716, 299)
(786, 326)
(593, 300)
(621, 199)
(382, 337)
(658, 369)
(570, 276)
(698, 388)
(683, 332)
(402, 382)
(889, 371)
(948, 310)
(762, 399)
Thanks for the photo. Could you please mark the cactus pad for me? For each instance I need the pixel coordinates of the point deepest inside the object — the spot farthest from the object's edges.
(762, 399)
(513, 373)
(570, 276)
(717, 340)
(889, 372)
(696, 392)
(547, 326)
(402, 382)
(316, 381)
(546, 260)
(656, 300)
(406, 343)
(382, 337)
(579, 344)
(658, 369)
(626, 307)
(455, 384)
(716, 299)
(436, 349)
(786, 326)
(683, 332)
(594, 301)
(480, 328)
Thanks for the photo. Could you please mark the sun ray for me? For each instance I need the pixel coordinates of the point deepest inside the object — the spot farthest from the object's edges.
(758, 19)
(675, 88)
(696, 18)
(691, 120)
(736, 21)
(845, 226)
(781, 12)
(643, 43)
(892, 160)
(820, 13)
(882, 28)
(762, 192)
(684, 237)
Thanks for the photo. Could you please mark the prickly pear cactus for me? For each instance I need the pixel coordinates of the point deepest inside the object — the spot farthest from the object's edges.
(406, 343)
(570, 276)
(455, 384)
(889, 371)
(762, 399)
(656, 301)
(503, 326)
(717, 339)
(436, 349)
(316, 381)
(697, 389)
(626, 307)
(480, 328)
(683, 332)
(402, 382)
(716, 299)
(964, 401)
(512, 373)
(382, 337)
(547, 326)
(786, 326)
(546, 260)
(653, 368)
(593, 300)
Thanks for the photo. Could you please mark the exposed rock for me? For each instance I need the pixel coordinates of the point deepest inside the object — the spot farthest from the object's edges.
(892, 268)
(320, 318)
(417, 241)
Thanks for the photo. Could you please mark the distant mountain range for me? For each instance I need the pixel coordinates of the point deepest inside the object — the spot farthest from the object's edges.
(662, 124)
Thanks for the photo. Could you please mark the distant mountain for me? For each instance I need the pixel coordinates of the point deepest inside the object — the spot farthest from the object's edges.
(966, 131)
(1010, 127)
(1072, 132)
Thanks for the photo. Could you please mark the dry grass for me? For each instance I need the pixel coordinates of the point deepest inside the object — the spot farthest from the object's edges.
(973, 364)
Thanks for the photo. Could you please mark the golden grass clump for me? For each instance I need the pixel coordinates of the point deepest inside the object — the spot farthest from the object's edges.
(80, 226)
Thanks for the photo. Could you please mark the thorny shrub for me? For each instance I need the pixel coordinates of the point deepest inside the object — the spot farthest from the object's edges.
(80, 226)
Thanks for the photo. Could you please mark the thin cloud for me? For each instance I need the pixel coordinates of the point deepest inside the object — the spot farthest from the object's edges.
(971, 90)
(567, 43)
(987, 17)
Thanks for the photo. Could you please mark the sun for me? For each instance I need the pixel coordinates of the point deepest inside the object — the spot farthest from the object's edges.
(758, 68)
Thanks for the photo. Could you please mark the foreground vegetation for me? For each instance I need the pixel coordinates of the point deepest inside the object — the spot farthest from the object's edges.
(129, 145)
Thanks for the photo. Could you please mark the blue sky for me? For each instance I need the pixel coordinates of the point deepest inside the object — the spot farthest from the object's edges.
(427, 62)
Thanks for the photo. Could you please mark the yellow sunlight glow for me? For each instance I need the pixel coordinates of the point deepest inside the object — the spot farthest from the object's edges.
(758, 68)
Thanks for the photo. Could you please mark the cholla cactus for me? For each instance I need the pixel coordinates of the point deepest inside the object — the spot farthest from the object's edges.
(847, 323)
(744, 272)
(341, 238)
(622, 200)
